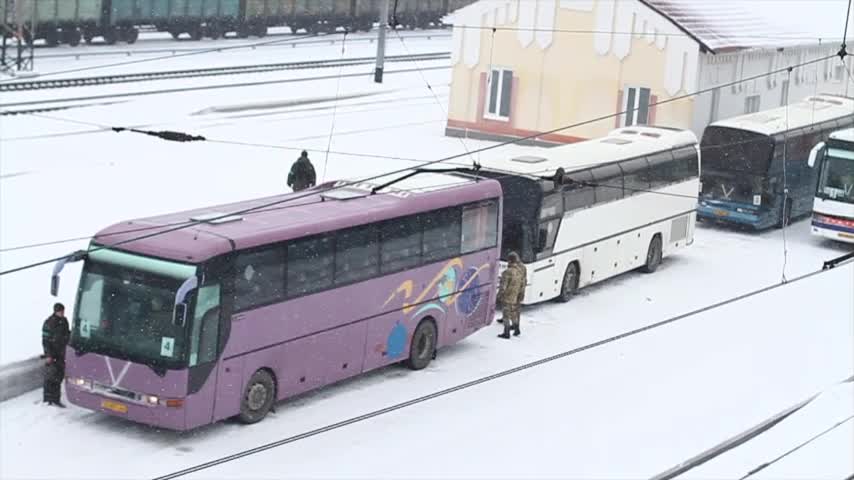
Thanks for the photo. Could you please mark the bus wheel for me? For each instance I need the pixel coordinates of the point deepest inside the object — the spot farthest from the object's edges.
(258, 398)
(653, 254)
(423, 346)
(570, 283)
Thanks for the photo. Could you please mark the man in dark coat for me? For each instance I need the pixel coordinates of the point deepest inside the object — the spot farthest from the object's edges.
(302, 174)
(55, 334)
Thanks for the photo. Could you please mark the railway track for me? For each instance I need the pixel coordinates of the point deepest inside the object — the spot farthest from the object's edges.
(211, 72)
(313, 40)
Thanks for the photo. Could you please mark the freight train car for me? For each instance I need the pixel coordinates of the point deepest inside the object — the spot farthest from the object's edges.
(66, 21)
(54, 21)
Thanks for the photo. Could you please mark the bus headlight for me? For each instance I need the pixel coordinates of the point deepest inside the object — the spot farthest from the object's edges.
(81, 382)
(152, 400)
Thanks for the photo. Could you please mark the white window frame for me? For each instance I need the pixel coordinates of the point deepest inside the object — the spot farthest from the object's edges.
(747, 101)
(636, 106)
(496, 115)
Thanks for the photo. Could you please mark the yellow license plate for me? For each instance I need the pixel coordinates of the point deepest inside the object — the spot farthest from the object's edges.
(721, 213)
(114, 406)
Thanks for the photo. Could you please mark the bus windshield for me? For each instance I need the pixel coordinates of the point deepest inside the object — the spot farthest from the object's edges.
(125, 309)
(731, 150)
(836, 181)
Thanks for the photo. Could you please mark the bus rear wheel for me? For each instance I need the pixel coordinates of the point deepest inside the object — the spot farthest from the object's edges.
(423, 346)
(653, 254)
(258, 398)
(570, 283)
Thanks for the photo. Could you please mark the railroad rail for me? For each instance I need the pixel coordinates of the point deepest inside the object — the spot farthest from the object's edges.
(211, 72)
(314, 40)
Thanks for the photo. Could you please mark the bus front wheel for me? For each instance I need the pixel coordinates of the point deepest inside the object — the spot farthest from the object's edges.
(653, 254)
(258, 398)
(423, 347)
(570, 283)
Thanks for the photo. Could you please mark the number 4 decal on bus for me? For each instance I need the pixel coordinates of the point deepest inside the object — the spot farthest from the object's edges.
(166, 346)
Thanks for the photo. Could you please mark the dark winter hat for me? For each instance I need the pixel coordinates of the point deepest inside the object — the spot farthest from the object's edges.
(513, 257)
(304, 153)
(58, 307)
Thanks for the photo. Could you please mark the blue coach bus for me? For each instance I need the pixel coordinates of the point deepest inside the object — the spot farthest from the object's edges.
(742, 182)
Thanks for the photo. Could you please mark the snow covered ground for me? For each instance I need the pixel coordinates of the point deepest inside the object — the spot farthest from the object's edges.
(628, 409)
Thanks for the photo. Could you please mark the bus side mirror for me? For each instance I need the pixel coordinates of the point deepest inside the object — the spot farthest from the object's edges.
(816, 152)
(59, 265)
(179, 315)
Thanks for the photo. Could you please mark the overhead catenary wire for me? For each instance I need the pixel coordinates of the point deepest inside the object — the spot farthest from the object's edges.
(334, 107)
(165, 135)
(429, 86)
(794, 449)
(485, 379)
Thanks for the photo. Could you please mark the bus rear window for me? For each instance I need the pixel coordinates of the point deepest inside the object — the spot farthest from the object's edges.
(732, 150)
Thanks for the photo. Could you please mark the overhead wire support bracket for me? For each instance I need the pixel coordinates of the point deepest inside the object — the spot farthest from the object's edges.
(415, 172)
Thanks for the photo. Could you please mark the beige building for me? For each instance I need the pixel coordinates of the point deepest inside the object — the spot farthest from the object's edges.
(524, 67)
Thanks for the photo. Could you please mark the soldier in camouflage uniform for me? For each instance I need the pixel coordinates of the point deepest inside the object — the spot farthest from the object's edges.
(511, 292)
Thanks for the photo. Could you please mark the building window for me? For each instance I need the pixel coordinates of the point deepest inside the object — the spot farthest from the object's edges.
(500, 88)
(751, 104)
(636, 105)
(784, 93)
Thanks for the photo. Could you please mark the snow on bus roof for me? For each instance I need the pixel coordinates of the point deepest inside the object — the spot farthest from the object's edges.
(309, 212)
(813, 109)
(620, 144)
(846, 135)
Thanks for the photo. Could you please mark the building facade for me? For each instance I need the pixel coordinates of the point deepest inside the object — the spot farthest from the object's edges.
(528, 68)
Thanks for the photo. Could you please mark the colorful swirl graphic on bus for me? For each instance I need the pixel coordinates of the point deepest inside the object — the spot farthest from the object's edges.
(452, 285)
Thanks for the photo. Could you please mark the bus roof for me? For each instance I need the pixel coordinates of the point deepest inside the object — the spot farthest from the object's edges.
(620, 144)
(811, 110)
(846, 135)
(309, 212)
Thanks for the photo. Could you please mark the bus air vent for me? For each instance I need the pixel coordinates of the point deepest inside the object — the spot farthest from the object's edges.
(345, 194)
(616, 141)
(215, 218)
(529, 159)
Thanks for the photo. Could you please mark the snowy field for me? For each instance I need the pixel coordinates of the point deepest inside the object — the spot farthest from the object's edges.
(628, 409)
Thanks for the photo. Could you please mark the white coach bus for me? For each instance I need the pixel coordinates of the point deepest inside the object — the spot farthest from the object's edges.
(833, 205)
(584, 212)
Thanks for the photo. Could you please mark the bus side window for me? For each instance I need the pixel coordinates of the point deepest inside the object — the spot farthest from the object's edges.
(660, 166)
(357, 255)
(480, 226)
(635, 175)
(685, 163)
(205, 329)
(576, 195)
(400, 244)
(609, 183)
(260, 277)
(311, 263)
(442, 234)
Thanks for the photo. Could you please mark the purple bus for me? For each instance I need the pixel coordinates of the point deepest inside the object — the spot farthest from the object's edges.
(223, 319)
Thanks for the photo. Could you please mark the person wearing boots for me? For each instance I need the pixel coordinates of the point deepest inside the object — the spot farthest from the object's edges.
(55, 334)
(511, 293)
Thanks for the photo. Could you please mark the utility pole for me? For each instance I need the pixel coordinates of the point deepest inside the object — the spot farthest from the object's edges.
(378, 73)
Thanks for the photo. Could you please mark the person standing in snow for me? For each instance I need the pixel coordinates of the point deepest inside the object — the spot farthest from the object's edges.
(511, 293)
(302, 174)
(55, 334)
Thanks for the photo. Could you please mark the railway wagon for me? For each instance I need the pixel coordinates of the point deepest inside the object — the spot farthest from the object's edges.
(414, 14)
(54, 21)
